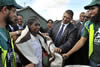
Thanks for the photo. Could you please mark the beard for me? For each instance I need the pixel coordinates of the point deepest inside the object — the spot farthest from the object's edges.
(8, 20)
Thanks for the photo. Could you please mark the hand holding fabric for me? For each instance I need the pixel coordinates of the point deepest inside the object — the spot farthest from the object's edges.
(57, 50)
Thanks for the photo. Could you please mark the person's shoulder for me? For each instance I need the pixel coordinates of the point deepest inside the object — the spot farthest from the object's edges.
(77, 21)
(88, 23)
(72, 25)
(78, 24)
(57, 22)
(2, 36)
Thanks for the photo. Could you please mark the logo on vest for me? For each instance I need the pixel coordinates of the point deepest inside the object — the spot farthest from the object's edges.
(97, 37)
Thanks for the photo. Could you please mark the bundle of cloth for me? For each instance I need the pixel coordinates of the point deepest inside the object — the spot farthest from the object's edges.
(24, 45)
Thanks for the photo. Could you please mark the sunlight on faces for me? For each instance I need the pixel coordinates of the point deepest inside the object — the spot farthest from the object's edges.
(66, 18)
(35, 27)
(20, 20)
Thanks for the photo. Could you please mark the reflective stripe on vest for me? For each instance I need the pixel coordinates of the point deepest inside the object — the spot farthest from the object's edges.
(14, 57)
(90, 29)
(91, 38)
(4, 54)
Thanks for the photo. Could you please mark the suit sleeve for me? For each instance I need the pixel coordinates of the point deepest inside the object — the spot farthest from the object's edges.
(71, 40)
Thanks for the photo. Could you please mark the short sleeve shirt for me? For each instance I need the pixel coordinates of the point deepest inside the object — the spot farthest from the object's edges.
(96, 44)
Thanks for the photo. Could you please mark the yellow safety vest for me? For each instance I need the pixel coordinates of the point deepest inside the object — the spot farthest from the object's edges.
(90, 28)
(4, 54)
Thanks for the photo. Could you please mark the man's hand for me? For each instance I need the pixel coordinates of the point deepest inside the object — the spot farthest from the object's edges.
(57, 50)
(18, 32)
(30, 65)
(46, 35)
(65, 56)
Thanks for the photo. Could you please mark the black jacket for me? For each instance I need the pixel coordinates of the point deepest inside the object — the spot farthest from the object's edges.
(69, 36)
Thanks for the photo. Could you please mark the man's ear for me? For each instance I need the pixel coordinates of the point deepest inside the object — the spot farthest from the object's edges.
(4, 10)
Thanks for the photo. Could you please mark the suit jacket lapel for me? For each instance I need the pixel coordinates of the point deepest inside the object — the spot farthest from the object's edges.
(65, 32)
(57, 28)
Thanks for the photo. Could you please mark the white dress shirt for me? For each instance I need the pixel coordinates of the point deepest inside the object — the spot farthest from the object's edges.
(63, 28)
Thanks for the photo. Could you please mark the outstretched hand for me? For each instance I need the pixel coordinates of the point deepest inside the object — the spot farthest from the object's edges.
(65, 56)
(58, 50)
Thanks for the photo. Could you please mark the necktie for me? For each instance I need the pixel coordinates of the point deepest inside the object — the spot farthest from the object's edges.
(59, 34)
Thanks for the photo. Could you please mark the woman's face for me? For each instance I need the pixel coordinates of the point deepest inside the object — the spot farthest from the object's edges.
(93, 10)
(35, 27)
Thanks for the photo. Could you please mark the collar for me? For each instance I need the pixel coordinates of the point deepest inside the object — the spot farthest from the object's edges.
(64, 24)
(81, 22)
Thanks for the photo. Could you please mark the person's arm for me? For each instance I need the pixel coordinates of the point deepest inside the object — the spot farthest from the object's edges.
(77, 46)
(15, 34)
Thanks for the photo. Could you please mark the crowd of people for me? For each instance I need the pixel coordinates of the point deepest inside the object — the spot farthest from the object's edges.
(77, 41)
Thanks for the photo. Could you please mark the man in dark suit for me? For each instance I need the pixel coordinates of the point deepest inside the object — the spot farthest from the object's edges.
(64, 34)
(20, 22)
(80, 23)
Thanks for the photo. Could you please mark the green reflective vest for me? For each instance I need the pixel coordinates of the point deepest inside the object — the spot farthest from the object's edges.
(4, 54)
(90, 27)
